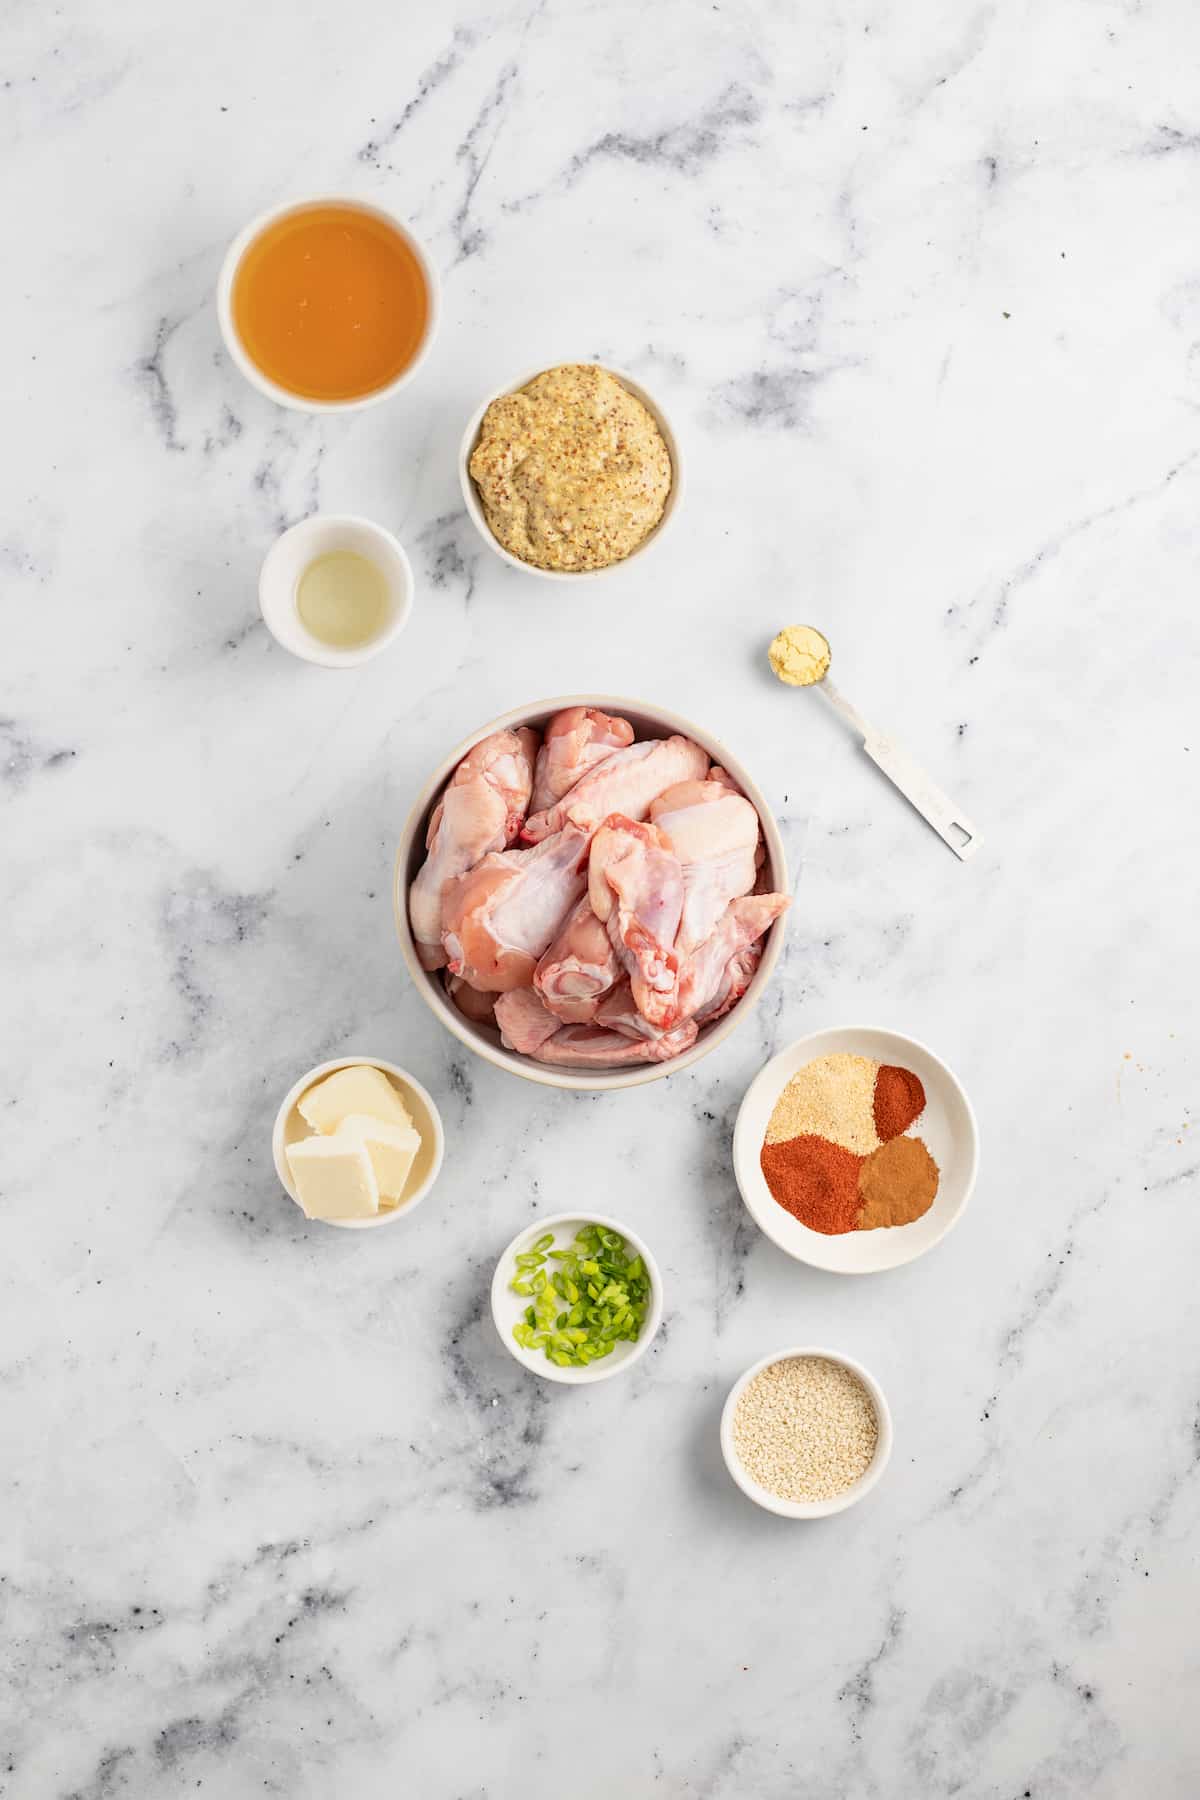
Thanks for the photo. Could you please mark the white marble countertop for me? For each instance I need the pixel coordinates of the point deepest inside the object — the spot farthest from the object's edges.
(921, 288)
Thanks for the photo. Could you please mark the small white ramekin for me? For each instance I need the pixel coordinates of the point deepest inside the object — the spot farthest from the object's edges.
(250, 369)
(290, 1128)
(807, 1509)
(475, 510)
(290, 555)
(508, 1308)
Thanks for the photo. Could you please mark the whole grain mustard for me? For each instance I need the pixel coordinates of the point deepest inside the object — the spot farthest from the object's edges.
(572, 470)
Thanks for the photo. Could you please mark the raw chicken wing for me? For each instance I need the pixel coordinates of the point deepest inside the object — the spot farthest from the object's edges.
(579, 967)
(479, 1008)
(703, 972)
(635, 885)
(499, 917)
(523, 1020)
(617, 1012)
(590, 1047)
(481, 810)
(575, 740)
(625, 782)
(739, 973)
(713, 830)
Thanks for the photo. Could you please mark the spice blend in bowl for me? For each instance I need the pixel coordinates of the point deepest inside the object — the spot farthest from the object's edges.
(841, 1181)
(806, 1433)
(834, 1155)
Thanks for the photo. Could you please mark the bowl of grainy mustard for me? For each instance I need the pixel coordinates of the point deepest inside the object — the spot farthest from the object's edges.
(570, 472)
(806, 1432)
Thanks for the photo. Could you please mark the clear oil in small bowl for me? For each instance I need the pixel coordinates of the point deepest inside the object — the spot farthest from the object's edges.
(342, 599)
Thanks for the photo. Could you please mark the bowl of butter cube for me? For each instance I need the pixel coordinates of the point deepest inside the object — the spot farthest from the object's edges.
(358, 1142)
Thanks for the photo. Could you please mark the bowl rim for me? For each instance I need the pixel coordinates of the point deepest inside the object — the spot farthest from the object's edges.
(232, 340)
(595, 1081)
(745, 1156)
(329, 1068)
(808, 1509)
(475, 510)
(601, 1371)
(315, 525)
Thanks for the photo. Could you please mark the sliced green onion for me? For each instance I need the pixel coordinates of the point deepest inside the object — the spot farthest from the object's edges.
(597, 1297)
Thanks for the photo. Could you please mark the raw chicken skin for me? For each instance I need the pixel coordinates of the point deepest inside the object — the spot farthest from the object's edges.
(479, 1008)
(635, 885)
(481, 810)
(590, 1047)
(579, 967)
(523, 1020)
(739, 973)
(625, 782)
(617, 1012)
(713, 830)
(499, 918)
(575, 741)
(703, 972)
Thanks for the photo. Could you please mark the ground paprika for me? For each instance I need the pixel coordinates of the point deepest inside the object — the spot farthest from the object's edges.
(814, 1180)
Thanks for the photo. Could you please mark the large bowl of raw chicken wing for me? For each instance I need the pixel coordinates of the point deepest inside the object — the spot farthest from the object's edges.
(590, 892)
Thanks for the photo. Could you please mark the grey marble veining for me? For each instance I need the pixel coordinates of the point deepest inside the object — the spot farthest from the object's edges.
(921, 289)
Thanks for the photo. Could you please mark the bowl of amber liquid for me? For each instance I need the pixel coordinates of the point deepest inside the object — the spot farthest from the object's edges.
(328, 305)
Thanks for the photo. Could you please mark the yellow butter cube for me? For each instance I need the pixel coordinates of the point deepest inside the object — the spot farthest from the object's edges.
(359, 1089)
(391, 1148)
(334, 1177)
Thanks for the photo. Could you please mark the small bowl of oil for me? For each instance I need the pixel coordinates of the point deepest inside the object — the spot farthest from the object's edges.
(335, 590)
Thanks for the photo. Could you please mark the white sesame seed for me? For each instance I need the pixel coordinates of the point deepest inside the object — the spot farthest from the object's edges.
(805, 1428)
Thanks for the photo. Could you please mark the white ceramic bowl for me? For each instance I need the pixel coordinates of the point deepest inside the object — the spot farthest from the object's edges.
(250, 369)
(290, 1128)
(947, 1125)
(475, 510)
(290, 555)
(508, 1308)
(647, 721)
(807, 1509)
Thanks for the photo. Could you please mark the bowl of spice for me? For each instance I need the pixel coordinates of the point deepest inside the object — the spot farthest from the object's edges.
(806, 1432)
(856, 1150)
(577, 1298)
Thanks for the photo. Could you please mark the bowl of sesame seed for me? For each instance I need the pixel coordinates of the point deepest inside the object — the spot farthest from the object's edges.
(806, 1432)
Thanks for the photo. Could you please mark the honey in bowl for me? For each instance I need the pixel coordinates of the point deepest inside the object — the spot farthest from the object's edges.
(330, 302)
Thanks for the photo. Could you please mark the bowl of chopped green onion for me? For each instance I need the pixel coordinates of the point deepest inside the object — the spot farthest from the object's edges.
(577, 1298)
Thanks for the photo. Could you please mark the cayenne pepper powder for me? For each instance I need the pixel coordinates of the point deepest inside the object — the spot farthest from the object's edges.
(816, 1181)
(899, 1099)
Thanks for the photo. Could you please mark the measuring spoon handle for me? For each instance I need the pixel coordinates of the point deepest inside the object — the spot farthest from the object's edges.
(935, 807)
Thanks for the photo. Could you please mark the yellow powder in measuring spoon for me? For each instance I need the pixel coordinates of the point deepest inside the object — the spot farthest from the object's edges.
(342, 599)
(800, 655)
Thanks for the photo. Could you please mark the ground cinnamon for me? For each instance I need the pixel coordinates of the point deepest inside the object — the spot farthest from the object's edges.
(899, 1099)
(897, 1183)
(816, 1181)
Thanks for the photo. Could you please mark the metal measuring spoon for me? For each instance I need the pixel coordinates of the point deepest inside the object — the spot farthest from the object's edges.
(800, 656)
